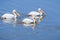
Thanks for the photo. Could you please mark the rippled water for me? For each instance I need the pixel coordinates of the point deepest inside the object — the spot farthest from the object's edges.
(48, 29)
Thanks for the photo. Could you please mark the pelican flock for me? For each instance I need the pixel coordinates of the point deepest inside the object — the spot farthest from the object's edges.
(33, 14)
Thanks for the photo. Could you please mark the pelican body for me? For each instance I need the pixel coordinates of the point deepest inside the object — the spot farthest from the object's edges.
(29, 21)
(37, 14)
(10, 16)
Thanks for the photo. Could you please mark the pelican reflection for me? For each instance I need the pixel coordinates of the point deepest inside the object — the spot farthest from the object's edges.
(15, 22)
(33, 26)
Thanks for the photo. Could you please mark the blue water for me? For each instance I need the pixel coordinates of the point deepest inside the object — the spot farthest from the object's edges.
(48, 29)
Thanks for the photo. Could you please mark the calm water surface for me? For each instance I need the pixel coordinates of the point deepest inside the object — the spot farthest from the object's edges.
(48, 29)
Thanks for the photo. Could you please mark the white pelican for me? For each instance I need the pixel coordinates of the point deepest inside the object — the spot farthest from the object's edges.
(29, 21)
(34, 13)
(10, 16)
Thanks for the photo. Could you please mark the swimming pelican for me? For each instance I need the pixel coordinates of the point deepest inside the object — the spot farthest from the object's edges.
(10, 16)
(29, 21)
(34, 13)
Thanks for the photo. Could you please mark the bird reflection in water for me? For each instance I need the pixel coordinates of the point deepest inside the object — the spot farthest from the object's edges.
(33, 26)
(15, 22)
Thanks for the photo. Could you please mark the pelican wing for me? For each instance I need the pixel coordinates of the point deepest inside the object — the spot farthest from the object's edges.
(27, 20)
(8, 16)
(34, 13)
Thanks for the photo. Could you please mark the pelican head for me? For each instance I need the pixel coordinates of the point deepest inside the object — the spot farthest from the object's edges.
(40, 11)
(15, 13)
